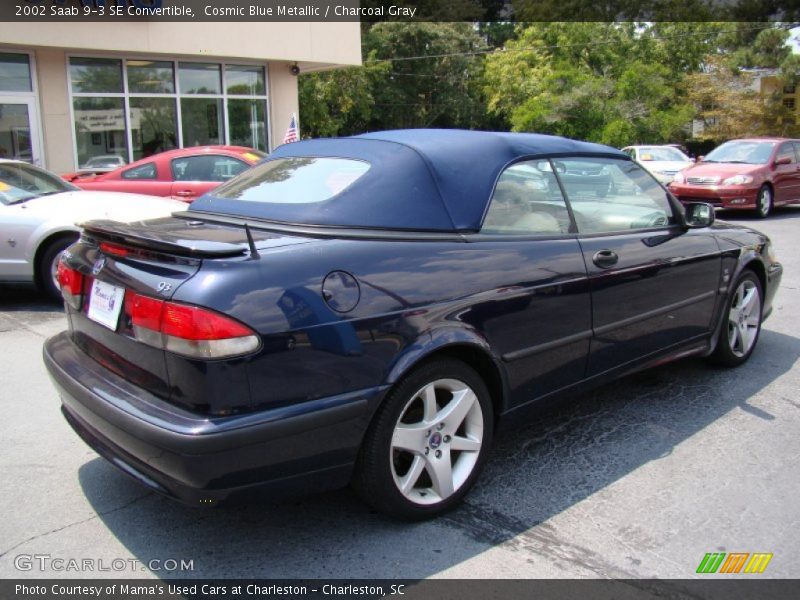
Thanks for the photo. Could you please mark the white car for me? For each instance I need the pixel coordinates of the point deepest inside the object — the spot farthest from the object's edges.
(39, 216)
(663, 162)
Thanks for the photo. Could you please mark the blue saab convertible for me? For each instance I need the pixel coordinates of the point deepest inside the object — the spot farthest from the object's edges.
(367, 310)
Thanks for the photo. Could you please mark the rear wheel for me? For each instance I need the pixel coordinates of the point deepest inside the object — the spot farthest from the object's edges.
(764, 202)
(428, 442)
(742, 323)
(48, 265)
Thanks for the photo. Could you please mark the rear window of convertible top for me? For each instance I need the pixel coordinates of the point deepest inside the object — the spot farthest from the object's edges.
(294, 180)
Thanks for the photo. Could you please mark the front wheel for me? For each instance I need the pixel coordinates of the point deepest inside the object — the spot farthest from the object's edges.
(428, 442)
(742, 322)
(764, 202)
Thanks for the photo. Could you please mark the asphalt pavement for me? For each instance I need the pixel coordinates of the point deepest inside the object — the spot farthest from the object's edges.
(638, 479)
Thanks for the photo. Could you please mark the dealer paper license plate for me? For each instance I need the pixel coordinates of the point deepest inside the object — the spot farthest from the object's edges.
(105, 303)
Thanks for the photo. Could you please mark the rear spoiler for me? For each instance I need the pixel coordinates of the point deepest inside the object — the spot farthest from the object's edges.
(140, 236)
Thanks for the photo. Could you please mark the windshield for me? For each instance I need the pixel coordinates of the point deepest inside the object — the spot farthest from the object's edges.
(753, 153)
(662, 153)
(20, 182)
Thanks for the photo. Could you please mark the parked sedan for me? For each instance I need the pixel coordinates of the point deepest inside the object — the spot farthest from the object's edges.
(39, 213)
(372, 309)
(183, 174)
(757, 173)
(664, 162)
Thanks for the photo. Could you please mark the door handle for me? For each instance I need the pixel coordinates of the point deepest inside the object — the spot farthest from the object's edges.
(184, 193)
(605, 258)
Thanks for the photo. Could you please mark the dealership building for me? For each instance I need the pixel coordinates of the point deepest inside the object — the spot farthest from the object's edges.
(73, 91)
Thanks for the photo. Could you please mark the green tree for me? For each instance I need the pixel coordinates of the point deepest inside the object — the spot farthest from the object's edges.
(340, 102)
(441, 89)
(604, 82)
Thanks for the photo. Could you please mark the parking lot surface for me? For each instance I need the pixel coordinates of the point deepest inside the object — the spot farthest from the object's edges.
(640, 478)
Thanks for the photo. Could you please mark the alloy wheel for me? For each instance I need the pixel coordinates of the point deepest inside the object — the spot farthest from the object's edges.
(436, 441)
(764, 201)
(744, 318)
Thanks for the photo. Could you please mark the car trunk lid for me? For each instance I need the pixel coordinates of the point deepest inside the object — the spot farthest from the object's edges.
(119, 263)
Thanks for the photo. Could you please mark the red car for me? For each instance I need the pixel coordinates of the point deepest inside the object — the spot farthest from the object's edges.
(757, 173)
(185, 174)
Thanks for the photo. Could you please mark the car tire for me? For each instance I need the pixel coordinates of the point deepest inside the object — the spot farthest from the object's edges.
(741, 324)
(764, 202)
(415, 462)
(48, 265)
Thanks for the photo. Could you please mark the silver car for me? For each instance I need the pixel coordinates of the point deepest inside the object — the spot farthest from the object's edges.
(39, 217)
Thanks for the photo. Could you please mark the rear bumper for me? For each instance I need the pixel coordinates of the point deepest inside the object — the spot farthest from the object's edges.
(199, 460)
(733, 197)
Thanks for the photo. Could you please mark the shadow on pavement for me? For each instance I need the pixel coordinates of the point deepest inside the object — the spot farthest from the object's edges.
(535, 472)
(26, 298)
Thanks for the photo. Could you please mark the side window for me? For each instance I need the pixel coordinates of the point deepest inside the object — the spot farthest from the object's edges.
(527, 201)
(145, 171)
(613, 195)
(206, 168)
(797, 150)
(631, 152)
(786, 149)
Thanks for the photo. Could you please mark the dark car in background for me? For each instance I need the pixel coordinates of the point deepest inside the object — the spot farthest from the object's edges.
(371, 309)
(757, 173)
(183, 174)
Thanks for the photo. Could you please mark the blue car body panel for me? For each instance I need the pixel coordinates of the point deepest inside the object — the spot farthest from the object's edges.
(349, 296)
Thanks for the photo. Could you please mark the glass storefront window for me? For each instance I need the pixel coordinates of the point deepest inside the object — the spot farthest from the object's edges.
(200, 78)
(243, 80)
(201, 120)
(246, 122)
(150, 77)
(169, 104)
(92, 75)
(99, 127)
(15, 73)
(153, 126)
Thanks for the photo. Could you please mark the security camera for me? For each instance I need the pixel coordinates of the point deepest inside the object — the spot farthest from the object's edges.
(294, 70)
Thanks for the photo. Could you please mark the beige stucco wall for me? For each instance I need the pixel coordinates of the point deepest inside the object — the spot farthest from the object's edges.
(282, 100)
(278, 45)
(318, 43)
(51, 71)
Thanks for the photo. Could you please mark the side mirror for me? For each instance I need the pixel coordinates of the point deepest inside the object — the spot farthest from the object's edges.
(698, 215)
(783, 160)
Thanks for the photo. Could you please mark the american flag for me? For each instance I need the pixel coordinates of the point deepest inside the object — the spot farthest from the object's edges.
(291, 133)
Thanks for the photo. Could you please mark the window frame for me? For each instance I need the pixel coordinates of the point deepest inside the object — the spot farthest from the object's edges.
(574, 232)
(136, 168)
(191, 156)
(790, 146)
(176, 96)
(31, 95)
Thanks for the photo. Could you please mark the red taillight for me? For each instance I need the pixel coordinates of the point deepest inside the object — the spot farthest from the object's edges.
(145, 311)
(113, 249)
(194, 323)
(71, 283)
(188, 330)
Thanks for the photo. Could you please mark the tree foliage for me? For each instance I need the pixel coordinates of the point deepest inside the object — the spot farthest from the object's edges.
(603, 82)
(612, 82)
